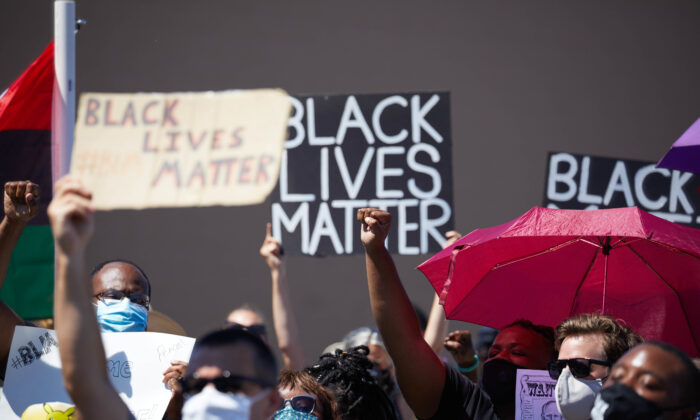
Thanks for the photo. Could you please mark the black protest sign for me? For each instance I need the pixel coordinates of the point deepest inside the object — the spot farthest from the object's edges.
(590, 182)
(345, 152)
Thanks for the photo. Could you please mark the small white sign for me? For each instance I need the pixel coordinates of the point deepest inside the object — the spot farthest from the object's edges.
(135, 365)
(534, 396)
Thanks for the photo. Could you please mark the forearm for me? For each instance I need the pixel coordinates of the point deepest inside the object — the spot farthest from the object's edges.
(82, 355)
(10, 232)
(419, 371)
(284, 320)
(9, 235)
(436, 330)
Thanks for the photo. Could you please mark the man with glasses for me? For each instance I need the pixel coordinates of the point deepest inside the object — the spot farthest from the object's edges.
(232, 372)
(588, 345)
(122, 295)
(233, 376)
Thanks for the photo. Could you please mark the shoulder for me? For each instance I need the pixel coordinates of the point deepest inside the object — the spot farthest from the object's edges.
(463, 399)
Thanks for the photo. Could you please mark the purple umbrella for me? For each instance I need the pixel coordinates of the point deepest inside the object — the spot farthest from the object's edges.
(685, 152)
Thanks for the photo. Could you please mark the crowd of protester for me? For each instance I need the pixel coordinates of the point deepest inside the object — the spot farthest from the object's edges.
(603, 369)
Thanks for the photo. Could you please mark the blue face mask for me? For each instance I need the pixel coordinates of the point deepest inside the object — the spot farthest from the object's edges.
(121, 315)
(288, 413)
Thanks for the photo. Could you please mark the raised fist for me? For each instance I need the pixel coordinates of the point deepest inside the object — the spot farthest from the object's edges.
(21, 200)
(459, 344)
(71, 215)
(375, 227)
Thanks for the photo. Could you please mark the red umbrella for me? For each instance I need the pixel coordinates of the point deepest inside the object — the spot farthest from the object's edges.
(549, 264)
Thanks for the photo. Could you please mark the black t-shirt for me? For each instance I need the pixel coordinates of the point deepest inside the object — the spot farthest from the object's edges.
(463, 400)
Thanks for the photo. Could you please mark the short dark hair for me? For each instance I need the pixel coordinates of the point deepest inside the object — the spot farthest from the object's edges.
(302, 380)
(263, 360)
(357, 394)
(546, 332)
(617, 338)
(690, 388)
(101, 265)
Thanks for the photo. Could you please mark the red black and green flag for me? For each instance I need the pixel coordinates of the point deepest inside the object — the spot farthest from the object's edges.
(25, 154)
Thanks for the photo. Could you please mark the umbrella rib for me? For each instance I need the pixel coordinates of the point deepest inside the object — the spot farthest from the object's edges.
(537, 254)
(580, 284)
(675, 292)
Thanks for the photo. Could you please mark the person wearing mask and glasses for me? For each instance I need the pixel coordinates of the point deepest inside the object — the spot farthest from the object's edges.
(303, 398)
(232, 372)
(588, 345)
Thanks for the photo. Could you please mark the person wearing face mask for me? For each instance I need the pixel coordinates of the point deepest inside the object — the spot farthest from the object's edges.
(233, 376)
(653, 380)
(304, 398)
(588, 344)
(77, 329)
(432, 389)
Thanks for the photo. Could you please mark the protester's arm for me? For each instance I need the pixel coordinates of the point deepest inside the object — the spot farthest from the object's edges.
(82, 355)
(420, 373)
(20, 199)
(282, 313)
(436, 330)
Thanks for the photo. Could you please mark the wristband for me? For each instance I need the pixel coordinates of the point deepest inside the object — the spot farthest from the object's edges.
(470, 368)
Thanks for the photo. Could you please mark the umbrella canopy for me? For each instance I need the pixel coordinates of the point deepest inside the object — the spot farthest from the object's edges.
(685, 152)
(550, 264)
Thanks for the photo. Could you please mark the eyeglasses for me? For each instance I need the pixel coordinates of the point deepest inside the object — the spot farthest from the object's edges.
(580, 367)
(227, 382)
(138, 298)
(301, 403)
(257, 329)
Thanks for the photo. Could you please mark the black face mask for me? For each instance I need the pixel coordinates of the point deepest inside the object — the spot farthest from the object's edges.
(621, 402)
(499, 381)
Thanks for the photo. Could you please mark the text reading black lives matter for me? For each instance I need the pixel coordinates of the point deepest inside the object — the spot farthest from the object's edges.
(345, 152)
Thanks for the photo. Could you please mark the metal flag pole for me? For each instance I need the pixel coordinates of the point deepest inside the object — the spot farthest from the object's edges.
(63, 110)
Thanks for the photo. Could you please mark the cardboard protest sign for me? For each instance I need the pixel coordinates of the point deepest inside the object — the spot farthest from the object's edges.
(590, 182)
(180, 149)
(345, 152)
(534, 396)
(135, 365)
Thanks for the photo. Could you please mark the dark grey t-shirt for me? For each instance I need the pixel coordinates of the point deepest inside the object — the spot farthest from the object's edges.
(463, 400)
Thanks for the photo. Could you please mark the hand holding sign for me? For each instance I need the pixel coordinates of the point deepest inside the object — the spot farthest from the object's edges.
(375, 227)
(71, 215)
(20, 200)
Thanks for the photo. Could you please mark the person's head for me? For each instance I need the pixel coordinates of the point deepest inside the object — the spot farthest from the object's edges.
(597, 337)
(524, 344)
(520, 345)
(122, 294)
(549, 411)
(346, 374)
(302, 394)
(588, 345)
(383, 369)
(653, 378)
(247, 318)
(232, 373)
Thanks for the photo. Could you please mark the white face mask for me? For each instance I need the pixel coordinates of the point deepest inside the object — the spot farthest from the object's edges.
(575, 397)
(212, 404)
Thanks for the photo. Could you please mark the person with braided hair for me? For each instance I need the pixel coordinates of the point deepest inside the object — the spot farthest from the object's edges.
(346, 374)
